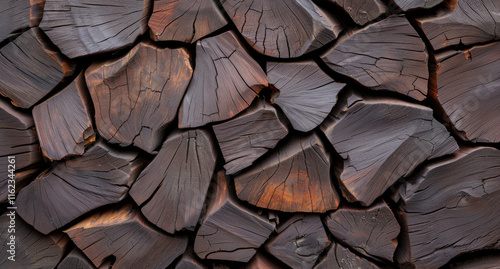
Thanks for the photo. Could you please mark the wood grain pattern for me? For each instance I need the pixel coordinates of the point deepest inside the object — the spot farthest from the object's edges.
(362, 11)
(388, 55)
(172, 188)
(185, 20)
(340, 257)
(189, 261)
(225, 82)
(250, 135)
(15, 16)
(406, 5)
(75, 260)
(137, 96)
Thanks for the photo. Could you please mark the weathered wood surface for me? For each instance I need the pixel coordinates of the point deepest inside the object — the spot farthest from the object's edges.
(381, 140)
(225, 82)
(261, 261)
(472, 21)
(230, 231)
(407, 5)
(101, 176)
(292, 178)
(300, 241)
(467, 88)
(362, 11)
(448, 215)
(189, 261)
(137, 96)
(80, 28)
(124, 233)
(372, 231)
(339, 257)
(306, 94)
(172, 188)
(75, 259)
(15, 16)
(388, 55)
(250, 135)
(185, 20)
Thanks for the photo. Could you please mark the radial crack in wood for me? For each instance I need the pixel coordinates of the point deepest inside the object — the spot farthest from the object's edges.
(361, 11)
(407, 5)
(75, 260)
(339, 257)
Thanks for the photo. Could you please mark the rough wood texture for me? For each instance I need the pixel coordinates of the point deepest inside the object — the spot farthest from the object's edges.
(137, 96)
(172, 189)
(292, 178)
(381, 140)
(372, 231)
(281, 28)
(339, 257)
(230, 231)
(75, 260)
(406, 5)
(185, 20)
(63, 122)
(467, 84)
(362, 11)
(448, 215)
(306, 94)
(101, 176)
(15, 16)
(472, 21)
(189, 261)
(250, 135)
(124, 233)
(300, 241)
(388, 55)
(80, 28)
(225, 82)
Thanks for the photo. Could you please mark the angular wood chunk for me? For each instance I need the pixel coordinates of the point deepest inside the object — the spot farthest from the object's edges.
(189, 261)
(247, 137)
(184, 20)
(468, 84)
(173, 187)
(63, 122)
(225, 82)
(382, 140)
(15, 16)
(92, 26)
(124, 233)
(406, 5)
(372, 231)
(32, 250)
(362, 11)
(300, 241)
(261, 261)
(75, 260)
(280, 28)
(292, 178)
(230, 231)
(306, 94)
(101, 176)
(339, 257)
(388, 55)
(450, 208)
(472, 21)
(137, 96)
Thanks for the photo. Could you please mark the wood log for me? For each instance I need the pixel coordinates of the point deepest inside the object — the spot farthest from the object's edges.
(472, 21)
(189, 261)
(339, 257)
(15, 16)
(449, 215)
(280, 28)
(172, 188)
(381, 140)
(306, 94)
(361, 11)
(75, 260)
(407, 5)
(137, 96)
(84, 28)
(372, 231)
(250, 135)
(467, 84)
(292, 178)
(261, 261)
(101, 176)
(300, 241)
(388, 55)
(230, 231)
(225, 82)
(185, 20)
(124, 233)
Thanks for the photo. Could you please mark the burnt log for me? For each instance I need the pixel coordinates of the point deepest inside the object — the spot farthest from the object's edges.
(75, 260)
(340, 257)
(361, 11)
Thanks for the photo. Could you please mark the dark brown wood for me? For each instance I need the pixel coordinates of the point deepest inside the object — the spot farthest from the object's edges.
(15, 16)
(339, 257)
(292, 178)
(190, 261)
(478, 262)
(450, 208)
(101, 176)
(172, 188)
(306, 94)
(124, 233)
(362, 11)
(230, 231)
(407, 5)
(372, 231)
(250, 135)
(137, 96)
(388, 55)
(261, 261)
(90, 27)
(75, 260)
(225, 82)
(185, 20)
(280, 28)
(300, 241)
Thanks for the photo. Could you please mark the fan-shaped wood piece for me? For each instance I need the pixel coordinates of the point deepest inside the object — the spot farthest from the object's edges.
(406, 5)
